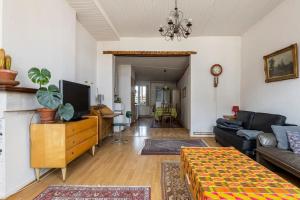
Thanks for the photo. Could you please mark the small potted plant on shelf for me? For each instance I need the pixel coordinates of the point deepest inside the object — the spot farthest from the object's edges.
(7, 76)
(49, 97)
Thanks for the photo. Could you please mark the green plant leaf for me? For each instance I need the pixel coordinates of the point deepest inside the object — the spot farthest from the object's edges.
(49, 99)
(66, 111)
(32, 74)
(41, 77)
(53, 88)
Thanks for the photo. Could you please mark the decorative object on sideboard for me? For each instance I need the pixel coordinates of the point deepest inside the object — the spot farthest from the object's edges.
(7, 76)
(216, 70)
(282, 64)
(118, 106)
(49, 97)
(100, 99)
(235, 109)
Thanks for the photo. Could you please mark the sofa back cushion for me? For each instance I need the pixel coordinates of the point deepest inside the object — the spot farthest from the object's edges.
(294, 140)
(264, 121)
(246, 117)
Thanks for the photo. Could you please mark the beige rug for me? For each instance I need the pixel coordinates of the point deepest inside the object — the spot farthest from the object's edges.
(172, 187)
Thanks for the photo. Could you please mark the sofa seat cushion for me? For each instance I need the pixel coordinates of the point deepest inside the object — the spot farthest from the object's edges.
(229, 138)
(264, 121)
(283, 156)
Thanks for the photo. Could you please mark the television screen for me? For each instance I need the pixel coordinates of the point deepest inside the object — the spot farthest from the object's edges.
(76, 94)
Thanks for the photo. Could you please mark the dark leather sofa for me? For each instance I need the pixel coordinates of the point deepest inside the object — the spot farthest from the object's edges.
(250, 121)
(285, 159)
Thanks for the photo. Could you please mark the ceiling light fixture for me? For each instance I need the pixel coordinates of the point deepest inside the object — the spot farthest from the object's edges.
(176, 26)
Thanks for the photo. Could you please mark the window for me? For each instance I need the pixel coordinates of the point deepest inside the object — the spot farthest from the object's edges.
(141, 95)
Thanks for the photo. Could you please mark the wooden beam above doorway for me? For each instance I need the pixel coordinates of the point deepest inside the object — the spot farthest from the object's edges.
(151, 53)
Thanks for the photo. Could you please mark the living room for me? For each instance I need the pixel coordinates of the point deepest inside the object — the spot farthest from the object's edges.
(233, 49)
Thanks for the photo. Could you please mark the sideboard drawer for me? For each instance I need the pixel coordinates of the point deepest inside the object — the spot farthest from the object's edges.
(75, 127)
(80, 148)
(80, 137)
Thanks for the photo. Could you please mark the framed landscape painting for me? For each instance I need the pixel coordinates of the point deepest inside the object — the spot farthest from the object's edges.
(282, 64)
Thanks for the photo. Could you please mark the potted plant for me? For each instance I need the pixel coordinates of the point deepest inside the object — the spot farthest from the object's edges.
(49, 97)
(7, 76)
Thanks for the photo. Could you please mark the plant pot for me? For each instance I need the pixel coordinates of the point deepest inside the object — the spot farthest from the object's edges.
(47, 115)
(8, 75)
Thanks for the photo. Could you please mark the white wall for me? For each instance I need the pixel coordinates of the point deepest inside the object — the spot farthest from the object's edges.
(1, 23)
(185, 107)
(277, 30)
(124, 85)
(206, 103)
(106, 78)
(40, 33)
(86, 60)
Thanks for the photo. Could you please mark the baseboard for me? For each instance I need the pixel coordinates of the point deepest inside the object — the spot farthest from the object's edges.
(202, 134)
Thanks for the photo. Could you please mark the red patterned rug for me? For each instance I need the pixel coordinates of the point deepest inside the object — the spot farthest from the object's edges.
(95, 193)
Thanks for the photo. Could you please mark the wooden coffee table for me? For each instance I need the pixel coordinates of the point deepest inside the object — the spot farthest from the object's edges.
(225, 173)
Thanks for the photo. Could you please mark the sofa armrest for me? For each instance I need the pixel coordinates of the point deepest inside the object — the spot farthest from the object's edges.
(266, 140)
(290, 125)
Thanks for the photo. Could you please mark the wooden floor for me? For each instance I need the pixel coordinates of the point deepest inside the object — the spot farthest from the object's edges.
(114, 164)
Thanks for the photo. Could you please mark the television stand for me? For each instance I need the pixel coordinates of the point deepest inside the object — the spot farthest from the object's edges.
(56, 145)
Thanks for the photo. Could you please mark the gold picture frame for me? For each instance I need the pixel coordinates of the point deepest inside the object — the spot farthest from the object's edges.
(282, 64)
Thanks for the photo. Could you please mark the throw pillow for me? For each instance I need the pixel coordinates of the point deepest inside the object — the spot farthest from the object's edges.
(294, 139)
(280, 133)
(267, 140)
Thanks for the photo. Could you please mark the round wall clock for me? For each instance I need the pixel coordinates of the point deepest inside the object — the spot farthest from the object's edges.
(216, 70)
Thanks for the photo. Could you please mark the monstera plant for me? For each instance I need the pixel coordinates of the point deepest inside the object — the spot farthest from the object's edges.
(49, 97)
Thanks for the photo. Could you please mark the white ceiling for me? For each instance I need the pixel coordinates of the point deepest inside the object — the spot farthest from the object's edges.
(112, 19)
(152, 68)
(91, 15)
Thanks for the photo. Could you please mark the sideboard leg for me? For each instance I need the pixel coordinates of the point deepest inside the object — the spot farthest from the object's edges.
(37, 173)
(64, 173)
(93, 150)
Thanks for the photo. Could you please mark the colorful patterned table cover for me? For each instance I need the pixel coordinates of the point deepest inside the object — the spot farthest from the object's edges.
(225, 173)
(160, 111)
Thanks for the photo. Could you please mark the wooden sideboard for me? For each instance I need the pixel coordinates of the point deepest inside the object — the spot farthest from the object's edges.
(105, 117)
(56, 145)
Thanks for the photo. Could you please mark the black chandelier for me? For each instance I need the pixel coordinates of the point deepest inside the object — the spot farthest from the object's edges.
(176, 26)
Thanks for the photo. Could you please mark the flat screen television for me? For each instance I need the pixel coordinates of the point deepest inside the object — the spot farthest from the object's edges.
(76, 94)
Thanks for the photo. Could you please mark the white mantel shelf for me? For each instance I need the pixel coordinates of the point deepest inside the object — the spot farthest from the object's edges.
(17, 89)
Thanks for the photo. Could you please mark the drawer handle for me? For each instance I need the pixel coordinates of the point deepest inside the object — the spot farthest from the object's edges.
(72, 153)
